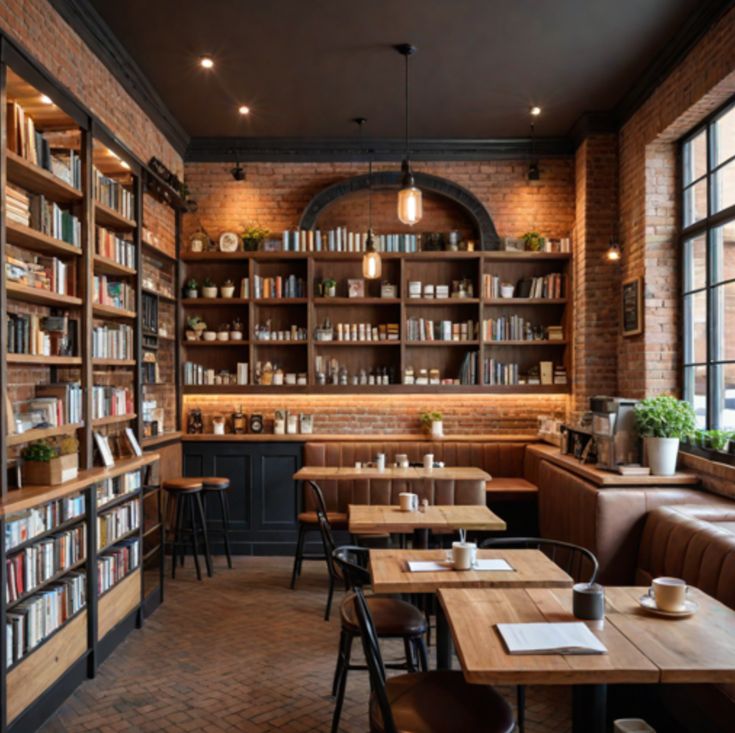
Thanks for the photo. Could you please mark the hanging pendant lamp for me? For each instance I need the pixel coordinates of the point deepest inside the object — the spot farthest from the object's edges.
(372, 265)
(410, 207)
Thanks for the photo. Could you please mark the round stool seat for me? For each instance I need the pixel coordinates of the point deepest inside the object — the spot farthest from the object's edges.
(215, 483)
(183, 484)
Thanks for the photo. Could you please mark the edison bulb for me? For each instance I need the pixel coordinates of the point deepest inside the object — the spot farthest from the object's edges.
(410, 207)
(372, 265)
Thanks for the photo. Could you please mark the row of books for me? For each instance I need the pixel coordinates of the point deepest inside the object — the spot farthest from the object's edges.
(42, 273)
(343, 240)
(150, 314)
(545, 286)
(150, 372)
(32, 620)
(113, 341)
(276, 287)
(114, 565)
(546, 373)
(199, 375)
(111, 401)
(425, 329)
(24, 526)
(117, 293)
(54, 405)
(30, 333)
(43, 215)
(114, 195)
(498, 373)
(366, 332)
(112, 488)
(112, 525)
(36, 564)
(517, 328)
(468, 368)
(114, 247)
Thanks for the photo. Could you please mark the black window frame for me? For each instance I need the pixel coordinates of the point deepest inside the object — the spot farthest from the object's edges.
(713, 289)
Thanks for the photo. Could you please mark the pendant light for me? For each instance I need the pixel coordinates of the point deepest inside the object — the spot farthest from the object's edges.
(372, 265)
(410, 207)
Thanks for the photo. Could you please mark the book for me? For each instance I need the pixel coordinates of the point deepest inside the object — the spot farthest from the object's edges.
(550, 638)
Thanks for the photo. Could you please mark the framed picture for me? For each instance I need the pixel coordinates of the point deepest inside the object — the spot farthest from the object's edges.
(513, 244)
(356, 288)
(133, 442)
(632, 306)
(103, 446)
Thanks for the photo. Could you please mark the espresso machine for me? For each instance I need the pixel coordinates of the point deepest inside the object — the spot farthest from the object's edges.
(614, 431)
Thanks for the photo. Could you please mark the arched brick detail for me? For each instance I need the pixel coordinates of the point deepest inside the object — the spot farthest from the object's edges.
(487, 236)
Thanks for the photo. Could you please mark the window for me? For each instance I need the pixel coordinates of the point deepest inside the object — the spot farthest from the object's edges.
(708, 269)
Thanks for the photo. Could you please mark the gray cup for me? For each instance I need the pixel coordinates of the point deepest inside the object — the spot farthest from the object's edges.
(588, 601)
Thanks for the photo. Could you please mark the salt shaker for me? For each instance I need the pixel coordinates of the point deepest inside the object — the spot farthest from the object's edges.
(424, 505)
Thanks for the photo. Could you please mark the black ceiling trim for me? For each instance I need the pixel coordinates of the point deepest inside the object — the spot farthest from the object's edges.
(675, 51)
(593, 123)
(301, 150)
(92, 29)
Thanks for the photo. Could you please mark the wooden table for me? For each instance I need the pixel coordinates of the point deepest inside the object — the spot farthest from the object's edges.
(390, 574)
(349, 473)
(642, 649)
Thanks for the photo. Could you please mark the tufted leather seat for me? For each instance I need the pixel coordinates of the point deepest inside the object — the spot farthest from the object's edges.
(442, 702)
(391, 617)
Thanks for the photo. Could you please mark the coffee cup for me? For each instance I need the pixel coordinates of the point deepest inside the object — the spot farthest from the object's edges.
(380, 461)
(401, 460)
(464, 555)
(428, 461)
(358, 464)
(588, 601)
(670, 594)
(408, 501)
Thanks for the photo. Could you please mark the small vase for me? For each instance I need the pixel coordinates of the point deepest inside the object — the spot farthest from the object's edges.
(227, 291)
(437, 429)
(209, 335)
(210, 292)
(191, 293)
(223, 336)
(235, 335)
(662, 454)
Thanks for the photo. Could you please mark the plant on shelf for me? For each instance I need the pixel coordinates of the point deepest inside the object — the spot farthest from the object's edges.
(432, 423)
(252, 237)
(663, 422)
(196, 326)
(223, 332)
(236, 330)
(329, 287)
(191, 289)
(227, 289)
(209, 289)
(533, 241)
(46, 463)
(719, 440)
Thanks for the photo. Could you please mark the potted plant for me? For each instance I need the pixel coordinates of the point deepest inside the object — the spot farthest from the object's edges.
(507, 290)
(47, 464)
(227, 289)
(208, 334)
(533, 241)
(719, 440)
(223, 332)
(432, 423)
(195, 328)
(236, 330)
(209, 289)
(253, 236)
(663, 422)
(191, 289)
(329, 287)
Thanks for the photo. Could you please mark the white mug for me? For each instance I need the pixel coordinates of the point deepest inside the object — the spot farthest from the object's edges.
(380, 461)
(428, 461)
(464, 555)
(358, 464)
(670, 594)
(408, 502)
(401, 460)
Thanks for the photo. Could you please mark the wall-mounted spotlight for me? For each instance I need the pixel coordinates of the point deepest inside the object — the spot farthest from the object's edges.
(238, 172)
(613, 253)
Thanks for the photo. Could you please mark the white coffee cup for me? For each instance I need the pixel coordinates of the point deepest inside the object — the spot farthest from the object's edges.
(380, 461)
(429, 461)
(464, 555)
(408, 501)
(401, 460)
(670, 594)
(358, 464)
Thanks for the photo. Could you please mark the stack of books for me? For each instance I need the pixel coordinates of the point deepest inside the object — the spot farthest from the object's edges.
(555, 333)
(60, 403)
(49, 218)
(24, 139)
(424, 329)
(111, 488)
(343, 240)
(29, 333)
(22, 527)
(497, 373)
(17, 205)
(547, 286)
(67, 165)
(468, 369)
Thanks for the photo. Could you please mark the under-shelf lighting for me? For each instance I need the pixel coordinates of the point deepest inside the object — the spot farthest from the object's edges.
(45, 99)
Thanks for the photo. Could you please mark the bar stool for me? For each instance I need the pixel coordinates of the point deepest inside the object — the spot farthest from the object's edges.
(186, 495)
(218, 486)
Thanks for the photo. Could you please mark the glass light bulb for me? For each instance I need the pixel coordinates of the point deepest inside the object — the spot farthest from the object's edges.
(410, 207)
(372, 265)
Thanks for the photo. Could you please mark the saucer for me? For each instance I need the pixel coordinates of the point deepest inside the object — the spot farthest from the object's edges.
(690, 608)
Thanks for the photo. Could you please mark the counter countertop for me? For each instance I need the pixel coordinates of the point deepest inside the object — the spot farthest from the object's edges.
(357, 438)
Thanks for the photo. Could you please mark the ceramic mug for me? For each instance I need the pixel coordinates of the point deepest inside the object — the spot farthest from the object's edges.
(464, 555)
(380, 461)
(408, 502)
(670, 594)
(428, 461)
(401, 460)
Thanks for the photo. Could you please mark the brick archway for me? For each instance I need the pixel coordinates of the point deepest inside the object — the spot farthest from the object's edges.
(468, 202)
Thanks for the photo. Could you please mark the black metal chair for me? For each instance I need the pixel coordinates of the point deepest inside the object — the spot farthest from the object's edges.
(426, 702)
(393, 618)
(571, 558)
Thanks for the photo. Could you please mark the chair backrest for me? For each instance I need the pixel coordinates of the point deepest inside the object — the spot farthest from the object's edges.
(571, 558)
(318, 497)
(353, 562)
(374, 660)
(328, 542)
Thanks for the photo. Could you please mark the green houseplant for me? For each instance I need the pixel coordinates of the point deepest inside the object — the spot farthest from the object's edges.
(433, 424)
(663, 421)
(48, 464)
(191, 289)
(209, 289)
(252, 237)
(329, 287)
(533, 241)
(227, 289)
(719, 440)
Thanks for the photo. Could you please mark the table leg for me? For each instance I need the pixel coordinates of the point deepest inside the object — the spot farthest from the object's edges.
(589, 709)
(444, 646)
(421, 539)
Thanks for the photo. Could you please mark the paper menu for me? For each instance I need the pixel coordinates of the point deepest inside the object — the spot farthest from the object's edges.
(433, 566)
(550, 638)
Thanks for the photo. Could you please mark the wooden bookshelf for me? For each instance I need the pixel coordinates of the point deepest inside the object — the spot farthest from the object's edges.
(36, 241)
(69, 361)
(110, 311)
(110, 267)
(41, 297)
(107, 217)
(28, 175)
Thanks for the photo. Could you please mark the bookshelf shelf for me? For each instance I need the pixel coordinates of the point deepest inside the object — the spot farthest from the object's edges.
(213, 302)
(423, 344)
(441, 302)
(335, 342)
(110, 267)
(30, 176)
(63, 526)
(294, 342)
(351, 302)
(46, 360)
(56, 576)
(112, 420)
(41, 297)
(36, 241)
(511, 302)
(540, 342)
(280, 301)
(109, 311)
(121, 538)
(114, 362)
(41, 434)
(160, 296)
(215, 344)
(162, 438)
(108, 217)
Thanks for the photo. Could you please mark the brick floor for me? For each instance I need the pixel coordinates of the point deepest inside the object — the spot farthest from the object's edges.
(241, 652)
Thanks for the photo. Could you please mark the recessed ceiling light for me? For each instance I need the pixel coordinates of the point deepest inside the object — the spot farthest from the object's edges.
(206, 62)
(243, 109)
(46, 100)
(535, 111)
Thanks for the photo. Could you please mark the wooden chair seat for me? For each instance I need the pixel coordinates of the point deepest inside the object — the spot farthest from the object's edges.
(337, 520)
(392, 617)
(442, 702)
(215, 483)
(183, 484)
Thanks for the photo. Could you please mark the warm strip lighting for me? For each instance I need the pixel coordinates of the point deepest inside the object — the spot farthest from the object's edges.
(535, 111)
(243, 109)
(206, 62)
(125, 165)
(46, 100)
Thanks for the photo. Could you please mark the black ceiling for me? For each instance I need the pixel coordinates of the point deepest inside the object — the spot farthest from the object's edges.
(307, 67)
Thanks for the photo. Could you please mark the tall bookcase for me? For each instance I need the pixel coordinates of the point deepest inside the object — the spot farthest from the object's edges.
(71, 349)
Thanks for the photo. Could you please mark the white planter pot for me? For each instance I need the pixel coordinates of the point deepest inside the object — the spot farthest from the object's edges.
(223, 336)
(227, 291)
(437, 429)
(209, 292)
(662, 454)
(209, 335)
(235, 335)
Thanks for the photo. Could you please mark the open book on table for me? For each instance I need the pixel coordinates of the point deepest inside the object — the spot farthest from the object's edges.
(550, 638)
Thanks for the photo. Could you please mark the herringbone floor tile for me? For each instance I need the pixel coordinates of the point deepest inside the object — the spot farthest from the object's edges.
(241, 653)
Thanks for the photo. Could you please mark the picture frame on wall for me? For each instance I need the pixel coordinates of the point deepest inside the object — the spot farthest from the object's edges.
(631, 301)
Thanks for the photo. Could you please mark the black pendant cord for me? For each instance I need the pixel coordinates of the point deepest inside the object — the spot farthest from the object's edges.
(406, 99)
